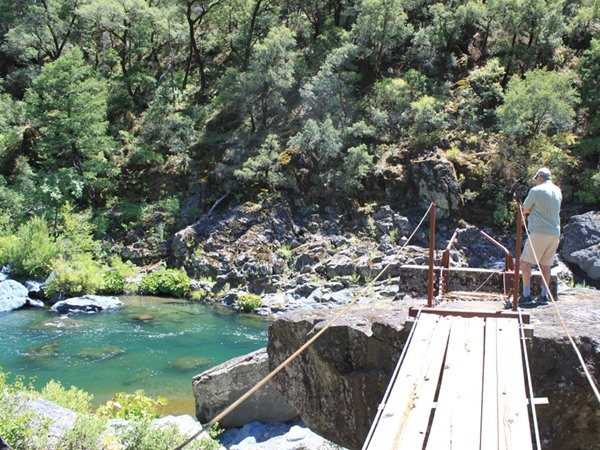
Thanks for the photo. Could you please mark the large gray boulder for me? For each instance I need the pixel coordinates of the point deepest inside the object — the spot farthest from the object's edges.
(13, 295)
(217, 388)
(581, 243)
(338, 382)
(86, 304)
(436, 181)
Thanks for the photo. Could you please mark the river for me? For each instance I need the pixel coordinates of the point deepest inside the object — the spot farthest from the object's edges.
(154, 344)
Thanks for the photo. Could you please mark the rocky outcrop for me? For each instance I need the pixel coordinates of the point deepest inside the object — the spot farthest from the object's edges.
(13, 295)
(436, 182)
(217, 388)
(581, 243)
(86, 304)
(337, 383)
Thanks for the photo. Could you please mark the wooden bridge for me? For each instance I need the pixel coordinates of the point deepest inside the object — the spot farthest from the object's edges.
(460, 384)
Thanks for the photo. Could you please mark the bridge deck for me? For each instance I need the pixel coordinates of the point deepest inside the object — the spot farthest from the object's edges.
(461, 385)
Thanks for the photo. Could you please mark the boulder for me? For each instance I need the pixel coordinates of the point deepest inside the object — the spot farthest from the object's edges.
(580, 243)
(436, 181)
(60, 419)
(337, 383)
(86, 304)
(219, 387)
(13, 295)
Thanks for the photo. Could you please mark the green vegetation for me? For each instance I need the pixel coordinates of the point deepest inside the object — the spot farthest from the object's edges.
(165, 282)
(248, 302)
(127, 120)
(22, 429)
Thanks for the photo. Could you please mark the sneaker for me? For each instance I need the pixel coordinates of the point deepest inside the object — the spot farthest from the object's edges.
(541, 300)
(524, 299)
(528, 305)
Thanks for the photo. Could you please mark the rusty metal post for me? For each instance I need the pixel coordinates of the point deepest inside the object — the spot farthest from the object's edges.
(517, 257)
(445, 268)
(509, 269)
(431, 249)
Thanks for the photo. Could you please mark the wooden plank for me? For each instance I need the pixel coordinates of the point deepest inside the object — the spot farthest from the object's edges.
(457, 419)
(489, 406)
(413, 388)
(513, 417)
(503, 313)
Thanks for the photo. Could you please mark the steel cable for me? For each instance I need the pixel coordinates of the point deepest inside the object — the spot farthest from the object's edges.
(307, 344)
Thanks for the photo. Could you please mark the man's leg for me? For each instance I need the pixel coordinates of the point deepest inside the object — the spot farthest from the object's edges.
(526, 272)
(546, 276)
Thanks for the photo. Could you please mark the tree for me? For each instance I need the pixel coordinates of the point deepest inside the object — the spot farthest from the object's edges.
(332, 91)
(319, 145)
(266, 167)
(45, 30)
(270, 75)
(129, 43)
(380, 29)
(542, 102)
(195, 12)
(589, 71)
(68, 104)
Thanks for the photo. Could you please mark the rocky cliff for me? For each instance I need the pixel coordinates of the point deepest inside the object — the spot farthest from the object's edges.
(336, 385)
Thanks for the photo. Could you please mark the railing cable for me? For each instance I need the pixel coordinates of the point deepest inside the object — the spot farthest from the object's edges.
(307, 344)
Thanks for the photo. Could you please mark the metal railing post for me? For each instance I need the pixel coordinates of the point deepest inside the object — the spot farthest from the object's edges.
(431, 249)
(517, 257)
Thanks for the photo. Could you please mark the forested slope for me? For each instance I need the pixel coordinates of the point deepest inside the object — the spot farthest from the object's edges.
(126, 108)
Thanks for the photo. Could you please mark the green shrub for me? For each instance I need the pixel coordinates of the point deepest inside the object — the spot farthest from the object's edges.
(74, 399)
(165, 282)
(80, 275)
(16, 421)
(131, 406)
(247, 302)
(112, 283)
(31, 250)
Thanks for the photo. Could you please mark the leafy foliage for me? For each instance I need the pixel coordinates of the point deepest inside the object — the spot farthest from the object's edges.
(131, 406)
(165, 282)
(248, 302)
(31, 250)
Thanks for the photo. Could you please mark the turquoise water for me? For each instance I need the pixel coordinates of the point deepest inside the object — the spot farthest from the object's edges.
(152, 343)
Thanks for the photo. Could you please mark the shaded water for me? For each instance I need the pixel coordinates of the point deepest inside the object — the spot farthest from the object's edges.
(152, 343)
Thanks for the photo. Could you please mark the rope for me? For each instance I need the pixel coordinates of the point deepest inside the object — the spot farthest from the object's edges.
(536, 430)
(307, 344)
(560, 318)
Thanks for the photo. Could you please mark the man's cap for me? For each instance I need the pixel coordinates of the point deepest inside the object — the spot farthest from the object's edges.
(544, 173)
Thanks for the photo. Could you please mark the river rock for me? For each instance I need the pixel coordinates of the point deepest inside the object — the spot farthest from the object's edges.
(13, 295)
(580, 243)
(86, 304)
(60, 419)
(219, 387)
(436, 182)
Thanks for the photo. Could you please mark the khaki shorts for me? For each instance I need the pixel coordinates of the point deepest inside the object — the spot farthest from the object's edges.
(545, 246)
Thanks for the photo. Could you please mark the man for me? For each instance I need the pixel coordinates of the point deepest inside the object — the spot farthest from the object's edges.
(543, 207)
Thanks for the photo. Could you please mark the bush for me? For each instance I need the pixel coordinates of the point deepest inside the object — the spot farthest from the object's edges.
(74, 399)
(165, 282)
(31, 250)
(80, 275)
(247, 302)
(16, 422)
(113, 283)
(131, 406)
